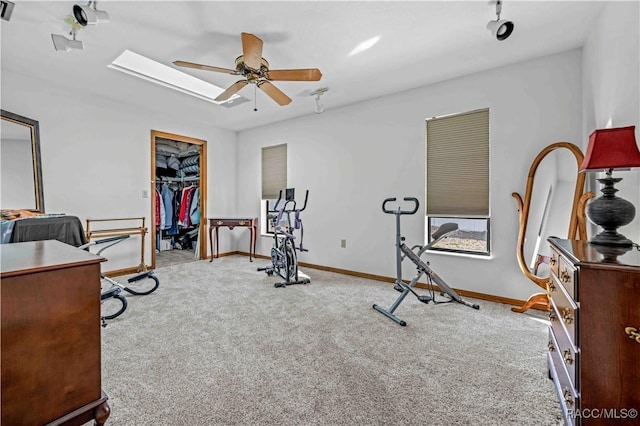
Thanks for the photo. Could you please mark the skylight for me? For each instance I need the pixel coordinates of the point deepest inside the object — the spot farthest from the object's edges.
(147, 69)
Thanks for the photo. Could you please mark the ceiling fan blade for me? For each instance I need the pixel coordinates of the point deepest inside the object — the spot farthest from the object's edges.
(274, 93)
(309, 74)
(252, 51)
(234, 88)
(204, 67)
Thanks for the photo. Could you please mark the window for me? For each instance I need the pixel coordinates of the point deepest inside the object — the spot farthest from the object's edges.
(457, 181)
(472, 235)
(274, 180)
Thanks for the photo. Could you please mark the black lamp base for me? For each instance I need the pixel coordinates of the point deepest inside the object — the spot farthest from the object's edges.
(610, 212)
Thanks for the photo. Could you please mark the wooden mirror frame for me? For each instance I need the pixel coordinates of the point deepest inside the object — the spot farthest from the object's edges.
(577, 222)
(35, 156)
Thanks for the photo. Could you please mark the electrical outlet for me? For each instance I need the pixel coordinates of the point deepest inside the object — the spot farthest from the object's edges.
(145, 193)
(343, 243)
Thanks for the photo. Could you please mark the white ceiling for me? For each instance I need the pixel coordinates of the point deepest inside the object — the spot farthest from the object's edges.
(421, 42)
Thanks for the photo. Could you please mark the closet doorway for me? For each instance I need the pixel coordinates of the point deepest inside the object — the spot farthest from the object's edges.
(178, 199)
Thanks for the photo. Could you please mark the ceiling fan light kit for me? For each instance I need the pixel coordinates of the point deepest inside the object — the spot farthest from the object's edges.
(255, 70)
(501, 29)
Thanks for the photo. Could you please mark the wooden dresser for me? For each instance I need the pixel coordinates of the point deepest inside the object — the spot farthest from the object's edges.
(50, 347)
(594, 337)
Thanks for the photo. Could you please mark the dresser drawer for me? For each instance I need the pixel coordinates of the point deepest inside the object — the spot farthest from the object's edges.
(560, 342)
(563, 317)
(231, 222)
(567, 394)
(554, 262)
(567, 277)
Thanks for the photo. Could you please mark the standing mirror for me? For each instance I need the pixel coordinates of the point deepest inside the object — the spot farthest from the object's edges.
(21, 172)
(553, 205)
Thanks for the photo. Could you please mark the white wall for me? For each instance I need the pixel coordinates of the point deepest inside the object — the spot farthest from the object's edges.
(96, 156)
(354, 157)
(611, 88)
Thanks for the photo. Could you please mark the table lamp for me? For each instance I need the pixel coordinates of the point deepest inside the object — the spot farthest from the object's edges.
(608, 150)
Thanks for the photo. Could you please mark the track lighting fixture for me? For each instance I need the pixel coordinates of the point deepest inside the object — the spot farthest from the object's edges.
(319, 108)
(71, 27)
(88, 14)
(60, 42)
(6, 9)
(500, 28)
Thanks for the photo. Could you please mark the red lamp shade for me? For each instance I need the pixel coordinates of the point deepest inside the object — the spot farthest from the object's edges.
(611, 149)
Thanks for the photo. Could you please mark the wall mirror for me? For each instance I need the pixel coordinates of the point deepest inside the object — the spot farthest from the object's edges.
(553, 205)
(21, 172)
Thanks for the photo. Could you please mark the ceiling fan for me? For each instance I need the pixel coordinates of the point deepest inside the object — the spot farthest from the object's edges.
(255, 70)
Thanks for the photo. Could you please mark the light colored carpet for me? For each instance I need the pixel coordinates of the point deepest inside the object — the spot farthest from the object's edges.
(217, 344)
(173, 257)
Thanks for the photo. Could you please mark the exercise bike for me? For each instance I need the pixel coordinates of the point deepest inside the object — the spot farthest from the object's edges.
(414, 253)
(284, 258)
(112, 302)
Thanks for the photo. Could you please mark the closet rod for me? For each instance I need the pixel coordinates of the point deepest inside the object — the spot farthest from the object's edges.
(176, 180)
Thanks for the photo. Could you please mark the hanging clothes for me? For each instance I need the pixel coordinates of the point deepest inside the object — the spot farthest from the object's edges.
(185, 206)
(167, 202)
(194, 209)
(162, 212)
(157, 212)
(174, 230)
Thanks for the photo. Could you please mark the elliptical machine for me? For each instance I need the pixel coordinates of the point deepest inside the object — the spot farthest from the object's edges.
(284, 258)
(414, 253)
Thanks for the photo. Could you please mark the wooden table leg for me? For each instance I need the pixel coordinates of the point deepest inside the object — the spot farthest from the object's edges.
(251, 237)
(255, 238)
(217, 243)
(211, 241)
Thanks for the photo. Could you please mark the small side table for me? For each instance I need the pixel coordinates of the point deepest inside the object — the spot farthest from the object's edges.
(216, 223)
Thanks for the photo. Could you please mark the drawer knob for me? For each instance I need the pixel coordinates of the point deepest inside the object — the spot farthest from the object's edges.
(241, 223)
(568, 398)
(633, 333)
(567, 316)
(566, 355)
(552, 286)
(219, 222)
(551, 347)
(552, 316)
(565, 277)
(553, 260)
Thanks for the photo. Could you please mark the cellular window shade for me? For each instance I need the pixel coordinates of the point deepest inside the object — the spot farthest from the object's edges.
(458, 165)
(274, 171)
